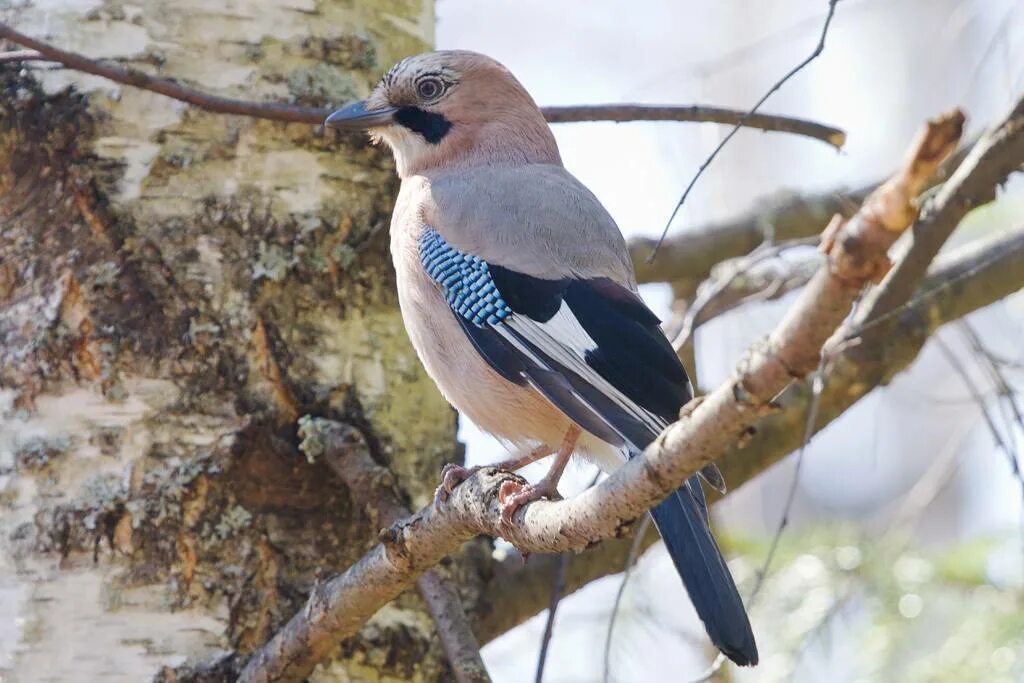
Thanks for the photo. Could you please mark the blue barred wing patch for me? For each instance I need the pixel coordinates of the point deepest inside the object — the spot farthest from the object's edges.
(465, 280)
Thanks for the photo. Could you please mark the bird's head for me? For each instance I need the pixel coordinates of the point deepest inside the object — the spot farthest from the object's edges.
(449, 108)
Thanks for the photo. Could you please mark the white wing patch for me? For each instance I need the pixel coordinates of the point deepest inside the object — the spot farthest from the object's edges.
(566, 342)
(566, 329)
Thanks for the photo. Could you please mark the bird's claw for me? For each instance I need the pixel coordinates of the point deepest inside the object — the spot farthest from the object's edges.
(513, 494)
(451, 476)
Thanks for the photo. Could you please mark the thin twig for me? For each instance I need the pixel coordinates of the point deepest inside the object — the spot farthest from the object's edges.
(621, 113)
(711, 292)
(634, 553)
(817, 387)
(1008, 445)
(1003, 387)
(549, 626)
(290, 113)
(557, 592)
(978, 397)
(753, 110)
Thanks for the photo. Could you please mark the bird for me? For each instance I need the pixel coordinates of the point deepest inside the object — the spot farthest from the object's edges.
(519, 297)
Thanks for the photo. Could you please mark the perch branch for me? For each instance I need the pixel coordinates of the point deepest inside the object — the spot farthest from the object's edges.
(374, 488)
(959, 283)
(856, 256)
(290, 113)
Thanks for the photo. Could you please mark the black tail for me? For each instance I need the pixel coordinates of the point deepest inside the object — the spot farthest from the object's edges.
(682, 520)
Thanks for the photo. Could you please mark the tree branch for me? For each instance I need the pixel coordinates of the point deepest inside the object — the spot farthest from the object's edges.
(621, 113)
(856, 252)
(21, 56)
(998, 153)
(374, 488)
(971, 278)
(688, 257)
(290, 113)
(759, 276)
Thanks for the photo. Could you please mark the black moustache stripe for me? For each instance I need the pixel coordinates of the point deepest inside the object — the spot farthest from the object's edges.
(433, 127)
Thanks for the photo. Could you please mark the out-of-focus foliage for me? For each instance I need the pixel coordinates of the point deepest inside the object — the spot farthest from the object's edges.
(888, 609)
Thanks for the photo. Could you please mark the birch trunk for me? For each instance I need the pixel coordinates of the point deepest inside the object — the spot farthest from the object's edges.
(176, 289)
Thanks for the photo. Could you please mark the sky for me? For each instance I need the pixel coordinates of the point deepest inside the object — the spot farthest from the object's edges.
(887, 66)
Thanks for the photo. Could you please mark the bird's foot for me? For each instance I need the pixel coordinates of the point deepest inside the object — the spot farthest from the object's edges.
(451, 476)
(513, 494)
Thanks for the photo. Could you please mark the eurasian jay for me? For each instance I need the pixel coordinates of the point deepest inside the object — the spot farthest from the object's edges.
(519, 296)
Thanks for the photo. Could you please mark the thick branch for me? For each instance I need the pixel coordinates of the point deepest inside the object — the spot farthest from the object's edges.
(689, 256)
(315, 115)
(374, 488)
(998, 153)
(960, 283)
(855, 251)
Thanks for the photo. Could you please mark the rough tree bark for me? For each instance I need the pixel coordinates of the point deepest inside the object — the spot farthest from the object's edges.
(176, 288)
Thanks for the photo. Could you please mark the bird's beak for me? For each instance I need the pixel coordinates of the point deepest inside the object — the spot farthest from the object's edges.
(356, 116)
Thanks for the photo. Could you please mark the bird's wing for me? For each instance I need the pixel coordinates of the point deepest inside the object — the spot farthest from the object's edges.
(590, 346)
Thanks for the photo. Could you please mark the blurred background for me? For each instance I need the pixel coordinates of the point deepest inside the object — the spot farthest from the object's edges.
(903, 556)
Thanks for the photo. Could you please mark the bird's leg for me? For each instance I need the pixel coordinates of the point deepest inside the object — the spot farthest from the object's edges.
(512, 495)
(452, 475)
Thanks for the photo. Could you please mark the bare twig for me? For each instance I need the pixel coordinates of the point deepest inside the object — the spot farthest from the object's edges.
(1003, 387)
(634, 554)
(817, 387)
(338, 607)
(1006, 445)
(621, 113)
(739, 284)
(374, 488)
(557, 590)
(290, 113)
(753, 110)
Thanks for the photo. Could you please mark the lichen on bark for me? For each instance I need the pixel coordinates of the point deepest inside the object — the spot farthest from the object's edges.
(176, 289)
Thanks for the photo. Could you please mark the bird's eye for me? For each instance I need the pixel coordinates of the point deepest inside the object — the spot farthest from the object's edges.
(429, 88)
